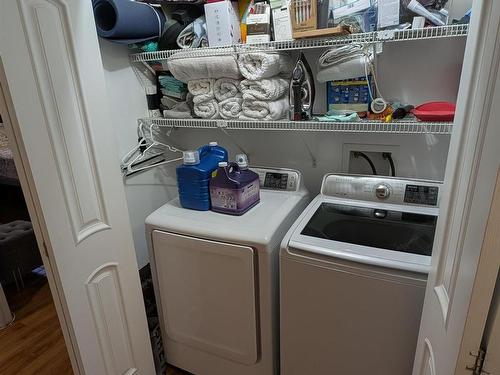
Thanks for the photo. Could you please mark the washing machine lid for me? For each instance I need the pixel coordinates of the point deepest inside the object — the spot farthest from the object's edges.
(257, 226)
(385, 235)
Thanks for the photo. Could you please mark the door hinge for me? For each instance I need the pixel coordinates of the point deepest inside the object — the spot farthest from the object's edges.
(477, 368)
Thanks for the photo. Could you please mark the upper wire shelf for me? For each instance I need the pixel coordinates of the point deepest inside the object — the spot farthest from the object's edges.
(406, 126)
(300, 44)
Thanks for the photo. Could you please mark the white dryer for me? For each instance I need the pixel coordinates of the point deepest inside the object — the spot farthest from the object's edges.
(353, 275)
(216, 279)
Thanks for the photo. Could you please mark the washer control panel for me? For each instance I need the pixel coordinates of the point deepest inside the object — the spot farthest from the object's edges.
(278, 179)
(382, 189)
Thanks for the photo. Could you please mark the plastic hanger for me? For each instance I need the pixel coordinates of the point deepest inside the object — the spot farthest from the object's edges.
(137, 156)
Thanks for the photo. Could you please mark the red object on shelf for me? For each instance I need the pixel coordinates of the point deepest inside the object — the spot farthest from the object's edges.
(435, 111)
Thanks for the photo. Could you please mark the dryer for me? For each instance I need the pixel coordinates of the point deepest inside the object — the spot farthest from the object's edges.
(216, 279)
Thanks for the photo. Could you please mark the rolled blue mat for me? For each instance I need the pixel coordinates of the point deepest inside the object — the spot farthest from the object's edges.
(127, 21)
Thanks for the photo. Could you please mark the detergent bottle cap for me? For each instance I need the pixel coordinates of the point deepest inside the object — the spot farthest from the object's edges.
(242, 161)
(223, 164)
(191, 157)
(213, 144)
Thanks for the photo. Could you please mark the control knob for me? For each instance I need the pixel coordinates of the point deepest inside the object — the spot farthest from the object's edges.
(382, 191)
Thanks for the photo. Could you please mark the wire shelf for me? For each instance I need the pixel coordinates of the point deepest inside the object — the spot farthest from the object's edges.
(301, 44)
(396, 127)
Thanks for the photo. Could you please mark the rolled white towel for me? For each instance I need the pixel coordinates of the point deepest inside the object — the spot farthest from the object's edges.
(206, 109)
(231, 108)
(258, 65)
(202, 86)
(225, 88)
(266, 110)
(185, 67)
(264, 89)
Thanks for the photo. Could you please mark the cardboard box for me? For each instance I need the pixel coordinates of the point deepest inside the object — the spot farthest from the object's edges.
(223, 23)
(304, 15)
(282, 24)
(348, 95)
(259, 26)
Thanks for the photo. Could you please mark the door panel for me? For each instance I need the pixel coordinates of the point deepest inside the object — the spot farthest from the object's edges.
(50, 41)
(208, 295)
(54, 72)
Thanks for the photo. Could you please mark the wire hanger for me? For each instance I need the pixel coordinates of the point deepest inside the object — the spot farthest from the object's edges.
(138, 154)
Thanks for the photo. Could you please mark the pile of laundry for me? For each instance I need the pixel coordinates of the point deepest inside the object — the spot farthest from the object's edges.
(248, 86)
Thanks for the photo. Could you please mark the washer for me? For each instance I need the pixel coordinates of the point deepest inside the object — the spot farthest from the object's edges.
(216, 279)
(353, 271)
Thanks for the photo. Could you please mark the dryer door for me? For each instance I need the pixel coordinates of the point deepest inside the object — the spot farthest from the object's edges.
(207, 292)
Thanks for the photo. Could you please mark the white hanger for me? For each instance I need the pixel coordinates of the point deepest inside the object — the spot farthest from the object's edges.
(138, 156)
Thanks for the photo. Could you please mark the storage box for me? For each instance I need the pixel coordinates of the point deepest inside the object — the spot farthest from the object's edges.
(304, 15)
(259, 25)
(223, 23)
(282, 24)
(348, 95)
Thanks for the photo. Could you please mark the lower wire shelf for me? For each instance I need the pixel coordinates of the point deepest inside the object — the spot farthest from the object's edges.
(365, 126)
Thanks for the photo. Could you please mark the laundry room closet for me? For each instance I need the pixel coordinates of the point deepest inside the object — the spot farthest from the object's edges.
(419, 68)
(409, 67)
(255, 187)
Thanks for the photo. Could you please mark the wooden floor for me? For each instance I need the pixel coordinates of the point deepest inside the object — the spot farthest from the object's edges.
(34, 344)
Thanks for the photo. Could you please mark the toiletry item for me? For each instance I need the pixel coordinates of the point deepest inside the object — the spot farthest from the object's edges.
(223, 23)
(234, 190)
(153, 101)
(418, 8)
(193, 176)
(302, 91)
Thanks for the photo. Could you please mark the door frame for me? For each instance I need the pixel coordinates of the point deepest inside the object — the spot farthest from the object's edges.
(39, 226)
(23, 170)
(482, 292)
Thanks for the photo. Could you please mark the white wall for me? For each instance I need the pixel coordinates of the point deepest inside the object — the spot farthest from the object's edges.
(414, 72)
(148, 190)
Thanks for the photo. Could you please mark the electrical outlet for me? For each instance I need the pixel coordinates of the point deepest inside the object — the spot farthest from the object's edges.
(356, 158)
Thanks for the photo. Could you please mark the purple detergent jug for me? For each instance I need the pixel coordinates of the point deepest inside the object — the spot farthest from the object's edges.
(234, 190)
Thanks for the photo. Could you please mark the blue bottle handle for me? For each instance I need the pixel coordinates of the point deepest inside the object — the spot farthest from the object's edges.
(203, 150)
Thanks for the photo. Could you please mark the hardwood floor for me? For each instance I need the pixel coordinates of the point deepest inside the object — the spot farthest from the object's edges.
(34, 344)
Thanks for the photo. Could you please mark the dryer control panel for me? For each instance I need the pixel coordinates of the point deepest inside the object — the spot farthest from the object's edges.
(278, 178)
(382, 189)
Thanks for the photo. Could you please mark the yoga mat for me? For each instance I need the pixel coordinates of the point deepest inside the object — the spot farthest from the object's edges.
(127, 21)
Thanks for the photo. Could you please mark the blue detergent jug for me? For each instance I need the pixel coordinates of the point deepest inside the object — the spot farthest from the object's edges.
(193, 176)
(234, 190)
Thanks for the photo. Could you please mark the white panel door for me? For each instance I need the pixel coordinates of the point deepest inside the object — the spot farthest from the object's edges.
(51, 58)
(208, 296)
(472, 167)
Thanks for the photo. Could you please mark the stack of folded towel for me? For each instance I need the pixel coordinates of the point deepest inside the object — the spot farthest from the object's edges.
(218, 91)
(264, 91)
